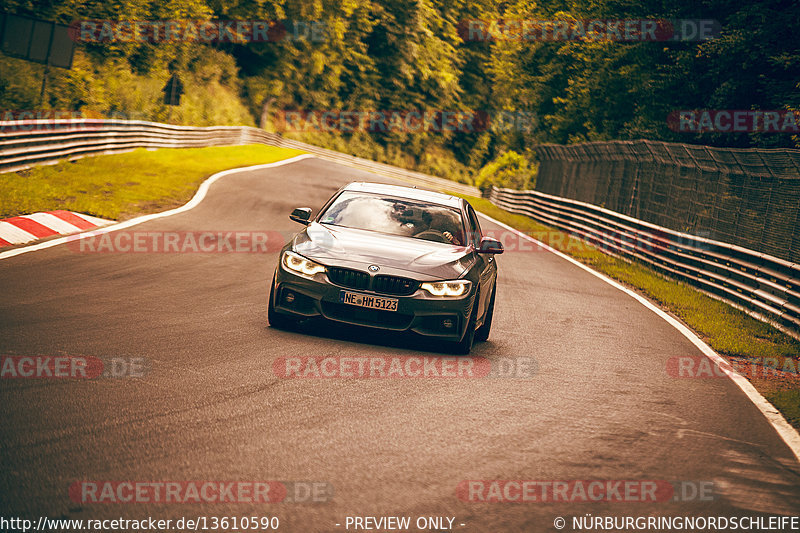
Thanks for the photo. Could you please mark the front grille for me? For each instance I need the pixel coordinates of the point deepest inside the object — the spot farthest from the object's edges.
(394, 285)
(353, 279)
(356, 279)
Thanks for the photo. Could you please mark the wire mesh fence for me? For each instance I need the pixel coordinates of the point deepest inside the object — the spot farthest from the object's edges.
(747, 197)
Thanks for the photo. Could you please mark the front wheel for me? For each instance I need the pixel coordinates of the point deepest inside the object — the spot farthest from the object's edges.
(276, 319)
(483, 332)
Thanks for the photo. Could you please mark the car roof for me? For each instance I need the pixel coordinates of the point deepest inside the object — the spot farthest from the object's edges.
(411, 193)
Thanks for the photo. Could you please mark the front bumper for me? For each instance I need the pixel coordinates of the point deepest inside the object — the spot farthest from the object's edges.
(444, 318)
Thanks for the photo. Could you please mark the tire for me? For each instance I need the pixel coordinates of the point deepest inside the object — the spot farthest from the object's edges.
(276, 319)
(464, 346)
(483, 332)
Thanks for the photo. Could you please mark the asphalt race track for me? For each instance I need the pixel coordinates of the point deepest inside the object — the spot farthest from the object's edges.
(600, 406)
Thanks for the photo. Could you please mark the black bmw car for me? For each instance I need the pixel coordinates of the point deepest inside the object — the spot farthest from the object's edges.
(390, 257)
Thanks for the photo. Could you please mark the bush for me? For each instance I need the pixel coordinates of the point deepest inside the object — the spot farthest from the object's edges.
(110, 87)
(510, 170)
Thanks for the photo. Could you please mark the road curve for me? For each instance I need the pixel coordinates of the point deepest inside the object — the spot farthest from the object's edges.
(601, 405)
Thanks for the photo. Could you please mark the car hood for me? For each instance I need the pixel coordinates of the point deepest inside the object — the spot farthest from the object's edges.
(355, 248)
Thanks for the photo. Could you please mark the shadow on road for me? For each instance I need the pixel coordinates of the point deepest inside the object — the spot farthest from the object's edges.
(317, 327)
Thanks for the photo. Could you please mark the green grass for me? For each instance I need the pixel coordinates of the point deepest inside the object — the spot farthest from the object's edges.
(727, 330)
(788, 402)
(121, 186)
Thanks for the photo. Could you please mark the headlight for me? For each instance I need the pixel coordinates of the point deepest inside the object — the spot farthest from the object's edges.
(297, 264)
(447, 289)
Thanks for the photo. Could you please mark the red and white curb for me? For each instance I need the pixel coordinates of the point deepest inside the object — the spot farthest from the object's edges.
(27, 228)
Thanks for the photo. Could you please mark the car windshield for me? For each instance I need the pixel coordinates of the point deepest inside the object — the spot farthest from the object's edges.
(396, 216)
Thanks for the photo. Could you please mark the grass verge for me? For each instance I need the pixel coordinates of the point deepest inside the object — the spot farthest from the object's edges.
(121, 186)
(767, 356)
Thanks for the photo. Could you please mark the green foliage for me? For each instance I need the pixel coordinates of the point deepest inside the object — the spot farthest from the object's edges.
(511, 170)
(109, 88)
(407, 55)
(601, 90)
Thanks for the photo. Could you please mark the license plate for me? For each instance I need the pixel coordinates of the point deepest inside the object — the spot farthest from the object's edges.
(365, 300)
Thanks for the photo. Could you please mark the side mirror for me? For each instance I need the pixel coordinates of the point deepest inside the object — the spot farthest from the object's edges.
(490, 246)
(301, 215)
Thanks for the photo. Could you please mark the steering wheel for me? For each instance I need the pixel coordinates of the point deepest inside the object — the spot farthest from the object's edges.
(438, 236)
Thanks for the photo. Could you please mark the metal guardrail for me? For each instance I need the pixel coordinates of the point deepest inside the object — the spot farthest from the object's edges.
(744, 196)
(34, 142)
(766, 286)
